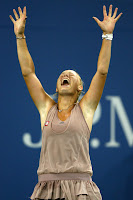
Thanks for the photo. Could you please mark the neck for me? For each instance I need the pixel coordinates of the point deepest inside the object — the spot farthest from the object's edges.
(65, 101)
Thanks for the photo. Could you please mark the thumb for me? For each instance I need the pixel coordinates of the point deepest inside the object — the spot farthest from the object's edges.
(97, 20)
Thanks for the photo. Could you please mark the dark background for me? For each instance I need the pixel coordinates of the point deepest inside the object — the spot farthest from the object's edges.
(61, 34)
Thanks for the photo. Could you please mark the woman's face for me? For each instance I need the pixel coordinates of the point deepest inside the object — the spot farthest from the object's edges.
(68, 82)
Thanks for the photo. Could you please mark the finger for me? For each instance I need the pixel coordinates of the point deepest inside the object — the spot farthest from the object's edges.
(115, 13)
(12, 18)
(15, 13)
(24, 11)
(104, 11)
(96, 19)
(116, 19)
(20, 11)
(110, 10)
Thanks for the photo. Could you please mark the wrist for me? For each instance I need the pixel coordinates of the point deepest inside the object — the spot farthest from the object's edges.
(107, 32)
(107, 36)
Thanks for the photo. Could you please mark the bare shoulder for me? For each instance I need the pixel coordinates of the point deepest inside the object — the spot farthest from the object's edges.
(90, 100)
(44, 112)
(88, 114)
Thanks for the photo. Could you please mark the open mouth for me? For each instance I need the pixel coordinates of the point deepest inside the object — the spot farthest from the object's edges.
(65, 82)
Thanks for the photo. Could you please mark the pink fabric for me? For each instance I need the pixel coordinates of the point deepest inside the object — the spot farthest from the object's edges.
(68, 189)
(65, 149)
(64, 176)
(65, 168)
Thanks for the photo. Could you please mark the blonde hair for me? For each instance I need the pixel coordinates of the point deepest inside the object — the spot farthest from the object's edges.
(82, 83)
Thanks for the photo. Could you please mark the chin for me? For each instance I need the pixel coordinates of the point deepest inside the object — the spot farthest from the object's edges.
(66, 93)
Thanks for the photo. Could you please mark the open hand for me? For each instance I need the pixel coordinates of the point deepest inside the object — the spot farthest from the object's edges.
(108, 23)
(19, 24)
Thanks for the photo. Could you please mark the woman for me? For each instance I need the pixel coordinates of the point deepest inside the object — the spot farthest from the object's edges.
(65, 170)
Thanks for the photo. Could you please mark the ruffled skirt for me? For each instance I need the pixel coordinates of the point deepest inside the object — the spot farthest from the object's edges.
(66, 189)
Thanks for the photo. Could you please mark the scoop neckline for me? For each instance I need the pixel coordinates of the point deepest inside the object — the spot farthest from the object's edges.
(69, 120)
(59, 118)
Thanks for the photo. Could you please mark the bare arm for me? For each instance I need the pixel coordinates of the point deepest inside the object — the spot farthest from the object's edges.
(41, 99)
(93, 95)
(91, 99)
(25, 60)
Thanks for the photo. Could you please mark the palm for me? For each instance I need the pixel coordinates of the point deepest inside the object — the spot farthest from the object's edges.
(108, 23)
(19, 24)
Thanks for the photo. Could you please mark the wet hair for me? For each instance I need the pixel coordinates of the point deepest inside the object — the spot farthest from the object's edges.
(82, 83)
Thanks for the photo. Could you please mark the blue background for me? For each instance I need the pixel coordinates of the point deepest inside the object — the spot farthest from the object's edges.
(61, 34)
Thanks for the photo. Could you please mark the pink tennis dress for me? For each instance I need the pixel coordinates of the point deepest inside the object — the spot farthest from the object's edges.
(65, 170)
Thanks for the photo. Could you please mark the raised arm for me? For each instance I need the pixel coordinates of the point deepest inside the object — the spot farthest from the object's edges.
(41, 99)
(92, 97)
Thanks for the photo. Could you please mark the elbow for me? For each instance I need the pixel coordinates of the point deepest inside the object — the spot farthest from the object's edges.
(103, 72)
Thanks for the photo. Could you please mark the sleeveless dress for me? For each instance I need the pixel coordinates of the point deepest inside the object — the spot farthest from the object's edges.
(65, 170)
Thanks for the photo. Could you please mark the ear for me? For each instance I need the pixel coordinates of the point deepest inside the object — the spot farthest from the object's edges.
(56, 90)
(80, 88)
